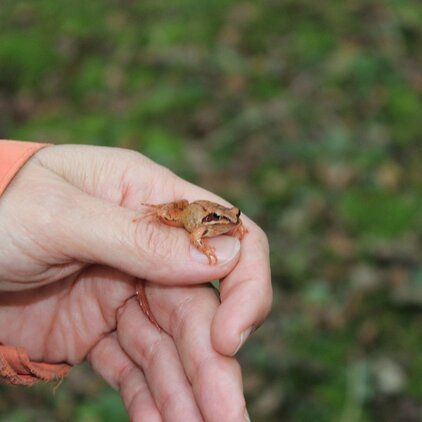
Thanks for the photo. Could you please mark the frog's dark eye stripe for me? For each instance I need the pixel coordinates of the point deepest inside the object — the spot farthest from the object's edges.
(211, 217)
(238, 213)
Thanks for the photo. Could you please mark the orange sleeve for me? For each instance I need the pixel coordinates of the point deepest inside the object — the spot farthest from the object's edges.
(15, 365)
(16, 368)
(13, 155)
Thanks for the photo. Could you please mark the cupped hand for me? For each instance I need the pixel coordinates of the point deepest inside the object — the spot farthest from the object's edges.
(70, 256)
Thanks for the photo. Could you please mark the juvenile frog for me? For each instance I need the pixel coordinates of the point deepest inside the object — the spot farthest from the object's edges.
(201, 219)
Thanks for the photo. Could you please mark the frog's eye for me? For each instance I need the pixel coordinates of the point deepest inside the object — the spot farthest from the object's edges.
(211, 217)
(238, 213)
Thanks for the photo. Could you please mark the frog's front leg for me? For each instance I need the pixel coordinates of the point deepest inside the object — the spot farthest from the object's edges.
(200, 243)
(239, 230)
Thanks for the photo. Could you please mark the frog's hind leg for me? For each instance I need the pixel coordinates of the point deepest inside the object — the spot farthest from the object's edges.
(181, 204)
(168, 212)
(146, 215)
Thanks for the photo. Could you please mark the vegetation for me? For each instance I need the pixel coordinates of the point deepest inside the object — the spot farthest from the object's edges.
(305, 114)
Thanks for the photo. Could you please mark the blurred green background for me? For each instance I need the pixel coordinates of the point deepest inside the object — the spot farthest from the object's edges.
(305, 114)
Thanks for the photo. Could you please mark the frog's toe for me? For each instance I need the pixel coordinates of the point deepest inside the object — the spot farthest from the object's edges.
(212, 257)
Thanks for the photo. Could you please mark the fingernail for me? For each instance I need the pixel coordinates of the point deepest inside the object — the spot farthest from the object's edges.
(243, 336)
(226, 248)
(247, 418)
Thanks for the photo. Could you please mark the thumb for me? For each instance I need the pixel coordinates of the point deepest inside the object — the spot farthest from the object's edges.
(97, 231)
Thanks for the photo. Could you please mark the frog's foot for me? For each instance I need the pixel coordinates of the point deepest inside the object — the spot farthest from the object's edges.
(152, 213)
(212, 257)
(209, 251)
(154, 210)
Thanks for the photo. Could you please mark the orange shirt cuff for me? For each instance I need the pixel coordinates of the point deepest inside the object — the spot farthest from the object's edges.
(13, 155)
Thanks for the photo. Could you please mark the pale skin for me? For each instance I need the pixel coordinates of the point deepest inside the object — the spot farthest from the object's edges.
(70, 259)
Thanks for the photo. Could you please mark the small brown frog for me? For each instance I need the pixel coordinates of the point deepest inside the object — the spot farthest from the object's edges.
(201, 219)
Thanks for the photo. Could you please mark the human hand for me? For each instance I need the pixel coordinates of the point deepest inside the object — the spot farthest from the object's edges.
(71, 207)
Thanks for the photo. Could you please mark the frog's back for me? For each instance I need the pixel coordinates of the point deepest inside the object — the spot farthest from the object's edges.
(192, 216)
